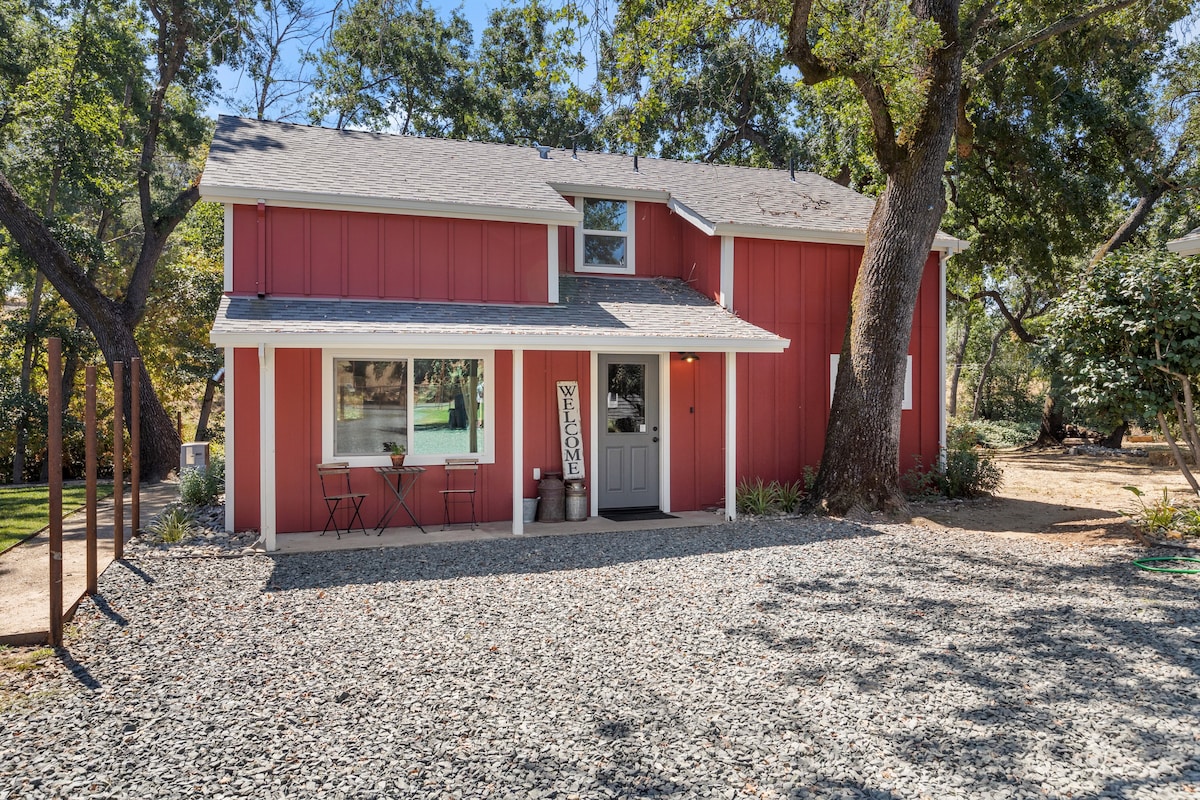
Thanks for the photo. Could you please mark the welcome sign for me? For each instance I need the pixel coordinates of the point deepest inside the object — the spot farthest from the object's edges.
(570, 430)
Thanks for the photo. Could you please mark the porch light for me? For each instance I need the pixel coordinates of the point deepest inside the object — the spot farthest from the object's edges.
(689, 358)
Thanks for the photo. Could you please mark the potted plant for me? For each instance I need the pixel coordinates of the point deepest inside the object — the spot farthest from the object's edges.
(397, 452)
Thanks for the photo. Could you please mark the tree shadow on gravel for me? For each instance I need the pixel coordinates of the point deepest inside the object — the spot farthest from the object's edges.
(445, 561)
(1049, 657)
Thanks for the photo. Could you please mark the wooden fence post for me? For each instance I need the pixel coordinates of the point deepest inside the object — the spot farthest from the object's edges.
(89, 423)
(118, 460)
(54, 453)
(135, 446)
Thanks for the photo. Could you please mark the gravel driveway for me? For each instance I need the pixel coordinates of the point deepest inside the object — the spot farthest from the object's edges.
(785, 659)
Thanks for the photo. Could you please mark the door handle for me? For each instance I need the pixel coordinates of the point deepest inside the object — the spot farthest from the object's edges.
(655, 439)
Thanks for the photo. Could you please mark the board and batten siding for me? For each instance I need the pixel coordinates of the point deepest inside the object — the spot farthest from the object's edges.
(802, 291)
(665, 246)
(316, 253)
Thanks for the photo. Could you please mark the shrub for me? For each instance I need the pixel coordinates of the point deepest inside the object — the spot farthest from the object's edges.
(175, 524)
(1161, 516)
(967, 473)
(788, 495)
(963, 472)
(756, 497)
(201, 486)
(994, 433)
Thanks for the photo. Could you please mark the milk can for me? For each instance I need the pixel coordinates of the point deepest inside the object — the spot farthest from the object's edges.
(551, 490)
(576, 502)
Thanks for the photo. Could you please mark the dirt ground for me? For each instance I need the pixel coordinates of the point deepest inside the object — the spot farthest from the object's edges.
(1051, 496)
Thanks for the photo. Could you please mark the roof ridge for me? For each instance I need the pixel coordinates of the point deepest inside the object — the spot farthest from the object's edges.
(511, 145)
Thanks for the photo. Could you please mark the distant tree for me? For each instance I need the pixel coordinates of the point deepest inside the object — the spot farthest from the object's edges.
(279, 38)
(396, 65)
(1128, 340)
(706, 87)
(524, 78)
(143, 74)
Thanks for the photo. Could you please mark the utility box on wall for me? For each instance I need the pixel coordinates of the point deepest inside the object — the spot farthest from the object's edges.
(193, 455)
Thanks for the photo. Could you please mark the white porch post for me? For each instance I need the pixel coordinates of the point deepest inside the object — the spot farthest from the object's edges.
(945, 256)
(730, 435)
(230, 440)
(266, 445)
(518, 442)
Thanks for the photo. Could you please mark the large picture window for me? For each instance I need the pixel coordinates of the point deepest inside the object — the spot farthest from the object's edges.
(433, 407)
(605, 239)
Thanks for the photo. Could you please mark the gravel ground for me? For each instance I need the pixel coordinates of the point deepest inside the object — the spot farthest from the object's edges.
(769, 659)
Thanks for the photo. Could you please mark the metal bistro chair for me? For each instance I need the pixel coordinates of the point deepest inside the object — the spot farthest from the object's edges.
(456, 490)
(335, 486)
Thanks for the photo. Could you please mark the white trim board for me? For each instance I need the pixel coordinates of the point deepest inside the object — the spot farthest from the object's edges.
(907, 403)
(629, 234)
(457, 342)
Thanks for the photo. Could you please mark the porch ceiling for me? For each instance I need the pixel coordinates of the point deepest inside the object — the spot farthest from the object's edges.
(631, 314)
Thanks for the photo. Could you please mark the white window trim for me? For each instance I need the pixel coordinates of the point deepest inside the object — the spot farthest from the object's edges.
(906, 403)
(580, 232)
(328, 410)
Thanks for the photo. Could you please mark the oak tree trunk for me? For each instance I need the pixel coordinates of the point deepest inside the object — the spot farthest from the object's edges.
(860, 464)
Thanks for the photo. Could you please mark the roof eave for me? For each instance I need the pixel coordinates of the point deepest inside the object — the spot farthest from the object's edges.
(1187, 246)
(224, 193)
(476, 341)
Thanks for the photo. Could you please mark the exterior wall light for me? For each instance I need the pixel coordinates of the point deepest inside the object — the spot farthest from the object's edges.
(689, 357)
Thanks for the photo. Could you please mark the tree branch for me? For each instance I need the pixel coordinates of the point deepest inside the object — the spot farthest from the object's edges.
(38, 243)
(886, 149)
(798, 49)
(1050, 31)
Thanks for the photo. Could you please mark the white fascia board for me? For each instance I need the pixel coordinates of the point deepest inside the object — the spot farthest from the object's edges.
(1187, 246)
(379, 205)
(443, 341)
(610, 192)
(691, 217)
(818, 236)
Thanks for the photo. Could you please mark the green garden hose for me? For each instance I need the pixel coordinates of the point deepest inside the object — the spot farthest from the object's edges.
(1144, 563)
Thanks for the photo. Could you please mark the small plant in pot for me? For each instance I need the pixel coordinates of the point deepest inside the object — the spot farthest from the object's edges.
(396, 451)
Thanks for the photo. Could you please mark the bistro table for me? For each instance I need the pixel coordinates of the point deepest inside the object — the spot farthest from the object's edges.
(406, 479)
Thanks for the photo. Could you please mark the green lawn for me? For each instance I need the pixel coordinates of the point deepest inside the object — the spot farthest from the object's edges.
(25, 510)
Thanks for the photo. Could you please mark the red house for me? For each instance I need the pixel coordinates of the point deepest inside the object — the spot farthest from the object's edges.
(433, 293)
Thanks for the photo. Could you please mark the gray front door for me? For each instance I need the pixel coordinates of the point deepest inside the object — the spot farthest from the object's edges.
(629, 435)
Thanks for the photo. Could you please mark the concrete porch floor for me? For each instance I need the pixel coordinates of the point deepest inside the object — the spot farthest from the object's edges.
(314, 542)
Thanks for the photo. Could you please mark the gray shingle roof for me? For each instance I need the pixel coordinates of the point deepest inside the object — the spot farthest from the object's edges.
(1188, 244)
(663, 313)
(251, 159)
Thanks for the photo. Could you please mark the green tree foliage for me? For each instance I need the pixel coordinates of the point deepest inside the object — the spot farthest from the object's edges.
(1134, 315)
(396, 65)
(102, 139)
(691, 81)
(525, 78)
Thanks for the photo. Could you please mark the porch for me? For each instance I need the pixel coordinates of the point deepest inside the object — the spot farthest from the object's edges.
(314, 542)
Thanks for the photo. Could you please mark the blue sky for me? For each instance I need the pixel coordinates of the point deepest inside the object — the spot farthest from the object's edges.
(234, 83)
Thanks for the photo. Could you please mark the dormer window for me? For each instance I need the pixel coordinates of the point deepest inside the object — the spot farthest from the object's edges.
(604, 242)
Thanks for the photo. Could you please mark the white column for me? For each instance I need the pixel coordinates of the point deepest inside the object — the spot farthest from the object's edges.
(664, 432)
(594, 425)
(266, 445)
(518, 441)
(727, 272)
(731, 435)
(552, 263)
(942, 353)
(228, 250)
(230, 441)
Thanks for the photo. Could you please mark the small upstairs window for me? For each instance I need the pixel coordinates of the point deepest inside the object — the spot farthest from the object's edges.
(604, 242)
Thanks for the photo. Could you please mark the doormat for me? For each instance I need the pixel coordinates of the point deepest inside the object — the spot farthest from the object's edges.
(634, 514)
